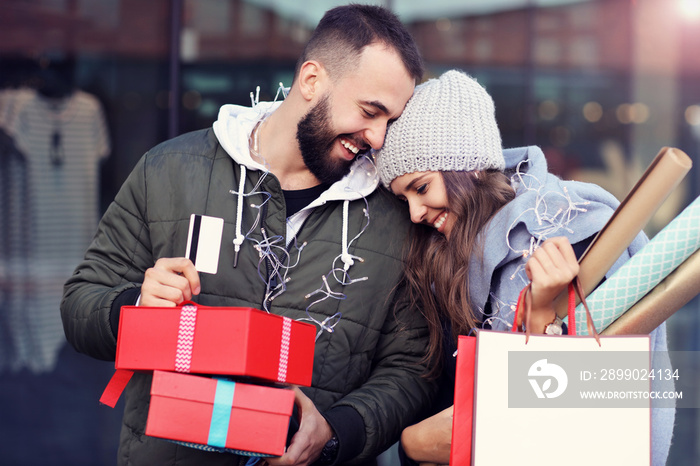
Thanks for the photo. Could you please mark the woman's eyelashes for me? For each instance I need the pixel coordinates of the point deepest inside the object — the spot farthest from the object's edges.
(422, 189)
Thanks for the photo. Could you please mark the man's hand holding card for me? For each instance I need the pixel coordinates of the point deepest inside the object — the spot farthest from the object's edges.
(173, 280)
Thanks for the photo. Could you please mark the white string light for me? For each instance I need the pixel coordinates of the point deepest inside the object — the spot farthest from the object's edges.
(276, 259)
(549, 224)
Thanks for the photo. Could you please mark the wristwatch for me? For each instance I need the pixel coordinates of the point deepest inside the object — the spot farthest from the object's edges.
(554, 327)
(329, 452)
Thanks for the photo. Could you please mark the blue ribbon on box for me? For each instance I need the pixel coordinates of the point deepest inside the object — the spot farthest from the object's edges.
(221, 415)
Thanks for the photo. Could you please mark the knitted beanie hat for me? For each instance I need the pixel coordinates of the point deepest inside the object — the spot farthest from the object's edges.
(448, 125)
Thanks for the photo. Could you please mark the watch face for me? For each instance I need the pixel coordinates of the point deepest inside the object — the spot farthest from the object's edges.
(554, 328)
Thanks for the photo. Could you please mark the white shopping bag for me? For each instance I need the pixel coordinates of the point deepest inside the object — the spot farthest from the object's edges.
(529, 407)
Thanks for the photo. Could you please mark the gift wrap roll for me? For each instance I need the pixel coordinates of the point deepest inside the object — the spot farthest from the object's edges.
(674, 292)
(663, 175)
(646, 269)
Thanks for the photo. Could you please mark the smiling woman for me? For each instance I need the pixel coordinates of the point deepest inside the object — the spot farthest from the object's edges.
(488, 223)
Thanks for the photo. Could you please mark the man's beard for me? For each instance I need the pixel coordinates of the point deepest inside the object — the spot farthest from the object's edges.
(316, 139)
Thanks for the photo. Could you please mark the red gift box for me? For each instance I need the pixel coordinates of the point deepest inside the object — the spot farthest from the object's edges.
(216, 340)
(219, 413)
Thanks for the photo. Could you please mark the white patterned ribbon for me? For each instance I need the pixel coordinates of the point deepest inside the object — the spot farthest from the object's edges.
(284, 349)
(639, 275)
(185, 338)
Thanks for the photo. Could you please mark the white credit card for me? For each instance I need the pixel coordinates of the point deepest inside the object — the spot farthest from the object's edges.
(204, 242)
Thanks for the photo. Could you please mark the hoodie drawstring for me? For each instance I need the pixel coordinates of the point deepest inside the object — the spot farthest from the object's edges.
(345, 256)
(238, 239)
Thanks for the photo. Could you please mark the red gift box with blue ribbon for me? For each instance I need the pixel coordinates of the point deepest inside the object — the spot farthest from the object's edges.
(218, 413)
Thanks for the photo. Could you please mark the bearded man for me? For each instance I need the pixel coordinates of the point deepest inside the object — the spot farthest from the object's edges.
(307, 235)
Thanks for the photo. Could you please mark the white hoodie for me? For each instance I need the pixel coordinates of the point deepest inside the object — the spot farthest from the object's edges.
(233, 129)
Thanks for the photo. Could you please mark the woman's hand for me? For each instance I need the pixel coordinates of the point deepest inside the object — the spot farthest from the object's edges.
(429, 441)
(550, 269)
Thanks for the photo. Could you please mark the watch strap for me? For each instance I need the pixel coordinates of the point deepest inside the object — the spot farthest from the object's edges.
(329, 452)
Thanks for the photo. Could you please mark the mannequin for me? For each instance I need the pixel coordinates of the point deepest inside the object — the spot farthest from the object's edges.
(61, 133)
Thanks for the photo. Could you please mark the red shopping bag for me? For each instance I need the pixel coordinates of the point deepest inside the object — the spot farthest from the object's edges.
(461, 449)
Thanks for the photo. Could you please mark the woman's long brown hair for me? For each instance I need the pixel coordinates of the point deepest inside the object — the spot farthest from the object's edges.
(437, 269)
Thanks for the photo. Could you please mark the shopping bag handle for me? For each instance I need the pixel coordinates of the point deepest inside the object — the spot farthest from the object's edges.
(578, 288)
(575, 288)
